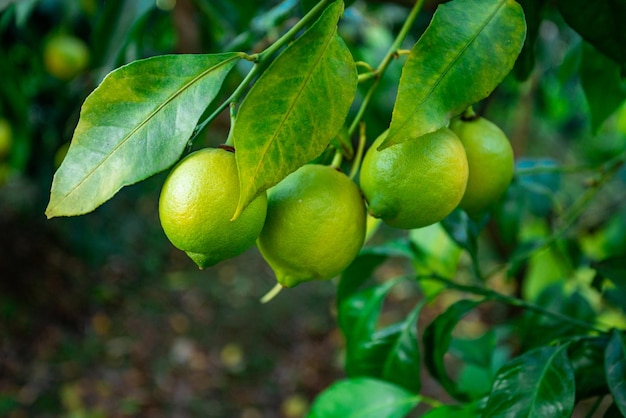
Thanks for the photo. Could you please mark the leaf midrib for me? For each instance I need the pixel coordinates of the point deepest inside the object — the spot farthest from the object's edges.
(143, 123)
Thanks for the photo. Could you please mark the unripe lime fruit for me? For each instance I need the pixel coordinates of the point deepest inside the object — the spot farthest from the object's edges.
(415, 183)
(315, 225)
(197, 201)
(65, 56)
(490, 159)
(6, 137)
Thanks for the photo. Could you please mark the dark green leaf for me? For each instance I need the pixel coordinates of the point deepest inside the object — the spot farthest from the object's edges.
(363, 398)
(358, 314)
(477, 351)
(615, 367)
(437, 338)
(361, 269)
(465, 231)
(533, 10)
(603, 85)
(613, 269)
(295, 108)
(587, 357)
(466, 51)
(456, 411)
(134, 124)
(600, 23)
(402, 362)
(539, 383)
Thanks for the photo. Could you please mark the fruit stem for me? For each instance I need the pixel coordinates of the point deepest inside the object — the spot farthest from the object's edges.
(259, 59)
(469, 115)
(392, 53)
(356, 163)
(272, 293)
(337, 159)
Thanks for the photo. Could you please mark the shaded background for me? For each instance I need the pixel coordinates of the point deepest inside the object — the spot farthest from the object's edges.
(101, 317)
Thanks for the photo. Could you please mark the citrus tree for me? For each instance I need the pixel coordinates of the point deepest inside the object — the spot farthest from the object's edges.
(307, 158)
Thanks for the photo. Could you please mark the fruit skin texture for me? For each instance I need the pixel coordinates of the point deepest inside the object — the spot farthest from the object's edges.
(415, 183)
(490, 159)
(315, 225)
(197, 201)
(65, 56)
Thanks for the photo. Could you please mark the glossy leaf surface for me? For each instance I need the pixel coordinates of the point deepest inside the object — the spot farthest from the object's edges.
(539, 383)
(295, 108)
(134, 124)
(363, 398)
(600, 23)
(466, 51)
(437, 338)
(615, 367)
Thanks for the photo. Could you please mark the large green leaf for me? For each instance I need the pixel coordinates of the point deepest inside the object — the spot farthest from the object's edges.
(363, 398)
(604, 88)
(361, 269)
(615, 367)
(537, 384)
(295, 108)
(391, 353)
(600, 23)
(587, 357)
(466, 51)
(437, 338)
(133, 125)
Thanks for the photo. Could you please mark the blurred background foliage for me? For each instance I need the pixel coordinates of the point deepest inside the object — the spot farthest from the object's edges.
(101, 317)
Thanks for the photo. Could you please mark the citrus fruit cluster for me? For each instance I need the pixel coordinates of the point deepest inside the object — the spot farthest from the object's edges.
(312, 224)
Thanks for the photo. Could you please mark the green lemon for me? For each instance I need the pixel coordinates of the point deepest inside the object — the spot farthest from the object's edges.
(490, 159)
(315, 225)
(65, 56)
(197, 201)
(6, 137)
(415, 183)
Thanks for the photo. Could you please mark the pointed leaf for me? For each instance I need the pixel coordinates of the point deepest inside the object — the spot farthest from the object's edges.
(437, 338)
(133, 125)
(600, 23)
(604, 88)
(540, 383)
(295, 108)
(402, 363)
(361, 269)
(363, 398)
(615, 367)
(466, 51)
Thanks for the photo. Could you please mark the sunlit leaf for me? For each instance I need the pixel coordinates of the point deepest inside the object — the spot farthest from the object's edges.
(466, 51)
(539, 383)
(437, 338)
(615, 367)
(603, 85)
(363, 398)
(134, 124)
(600, 23)
(295, 108)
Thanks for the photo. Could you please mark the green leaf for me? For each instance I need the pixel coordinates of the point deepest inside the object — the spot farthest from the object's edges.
(363, 266)
(402, 362)
(604, 88)
(134, 124)
(615, 367)
(295, 108)
(465, 231)
(533, 10)
(587, 357)
(600, 23)
(456, 411)
(466, 51)
(391, 353)
(437, 338)
(539, 383)
(363, 398)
